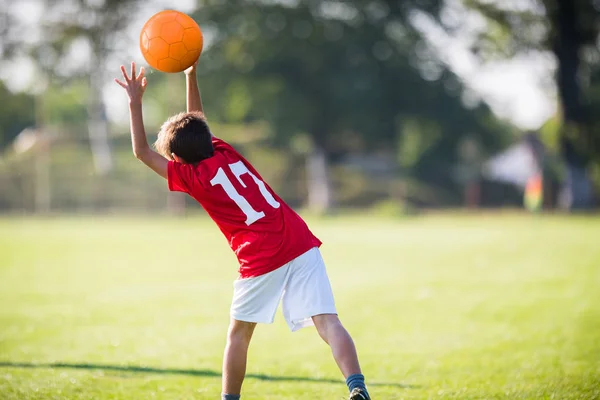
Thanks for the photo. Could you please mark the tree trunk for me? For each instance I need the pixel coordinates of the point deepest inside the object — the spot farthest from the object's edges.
(42, 193)
(319, 186)
(42, 188)
(98, 125)
(567, 46)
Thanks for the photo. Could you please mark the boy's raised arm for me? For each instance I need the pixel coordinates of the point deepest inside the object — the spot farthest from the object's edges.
(135, 86)
(194, 101)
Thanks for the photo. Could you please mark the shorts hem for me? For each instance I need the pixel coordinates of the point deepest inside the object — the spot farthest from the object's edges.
(253, 319)
(298, 323)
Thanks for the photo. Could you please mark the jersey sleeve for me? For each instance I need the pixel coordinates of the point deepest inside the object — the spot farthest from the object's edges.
(180, 176)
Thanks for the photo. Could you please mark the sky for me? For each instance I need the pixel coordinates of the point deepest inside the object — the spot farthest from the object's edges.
(518, 90)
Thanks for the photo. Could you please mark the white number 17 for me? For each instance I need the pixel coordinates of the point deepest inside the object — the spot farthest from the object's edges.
(238, 170)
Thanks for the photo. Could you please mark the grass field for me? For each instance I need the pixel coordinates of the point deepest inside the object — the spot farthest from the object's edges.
(441, 307)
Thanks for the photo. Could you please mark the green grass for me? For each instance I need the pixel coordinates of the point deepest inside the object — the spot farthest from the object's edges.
(440, 307)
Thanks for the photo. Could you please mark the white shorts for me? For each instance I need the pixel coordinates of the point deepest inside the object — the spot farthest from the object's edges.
(302, 285)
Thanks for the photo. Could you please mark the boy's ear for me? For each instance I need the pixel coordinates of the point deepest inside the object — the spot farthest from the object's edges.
(177, 158)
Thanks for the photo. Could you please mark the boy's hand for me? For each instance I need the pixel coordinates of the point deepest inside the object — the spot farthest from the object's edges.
(135, 86)
(191, 70)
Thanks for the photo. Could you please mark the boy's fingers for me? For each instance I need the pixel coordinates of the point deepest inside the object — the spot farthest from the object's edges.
(133, 74)
(123, 85)
(144, 82)
(141, 73)
(124, 73)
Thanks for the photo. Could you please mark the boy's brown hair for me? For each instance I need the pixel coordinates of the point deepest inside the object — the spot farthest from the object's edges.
(187, 136)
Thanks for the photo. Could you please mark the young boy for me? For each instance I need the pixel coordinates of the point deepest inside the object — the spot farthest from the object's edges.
(279, 256)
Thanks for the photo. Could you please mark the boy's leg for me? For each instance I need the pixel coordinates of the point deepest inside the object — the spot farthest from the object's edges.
(236, 352)
(308, 300)
(332, 331)
(254, 299)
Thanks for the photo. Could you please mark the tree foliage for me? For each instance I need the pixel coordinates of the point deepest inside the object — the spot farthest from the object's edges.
(71, 43)
(350, 75)
(67, 30)
(353, 76)
(570, 30)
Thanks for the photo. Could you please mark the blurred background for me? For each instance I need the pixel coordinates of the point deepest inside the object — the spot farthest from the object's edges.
(388, 106)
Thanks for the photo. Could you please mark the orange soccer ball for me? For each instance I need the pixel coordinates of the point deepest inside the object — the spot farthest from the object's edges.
(171, 41)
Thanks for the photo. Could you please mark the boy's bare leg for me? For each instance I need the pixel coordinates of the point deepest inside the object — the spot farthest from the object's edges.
(236, 354)
(337, 337)
(332, 331)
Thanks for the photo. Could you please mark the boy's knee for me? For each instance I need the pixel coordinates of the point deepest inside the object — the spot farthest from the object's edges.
(325, 320)
(240, 331)
(326, 323)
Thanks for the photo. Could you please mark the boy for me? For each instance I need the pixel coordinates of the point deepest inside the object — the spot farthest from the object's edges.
(279, 257)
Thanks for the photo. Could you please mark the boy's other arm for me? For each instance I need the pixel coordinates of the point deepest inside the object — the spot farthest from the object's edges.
(135, 86)
(139, 142)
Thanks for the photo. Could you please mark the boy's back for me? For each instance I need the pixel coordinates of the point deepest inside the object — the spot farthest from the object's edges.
(262, 230)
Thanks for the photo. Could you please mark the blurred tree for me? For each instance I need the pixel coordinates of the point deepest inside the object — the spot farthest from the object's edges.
(72, 43)
(569, 29)
(17, 113)
(348, 75)
(65, 106)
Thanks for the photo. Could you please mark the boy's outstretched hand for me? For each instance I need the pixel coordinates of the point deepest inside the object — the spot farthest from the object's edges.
(191, 70)
(134, 85)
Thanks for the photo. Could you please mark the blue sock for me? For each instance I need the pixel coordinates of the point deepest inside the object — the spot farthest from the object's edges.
(356, 381)
(230, 396)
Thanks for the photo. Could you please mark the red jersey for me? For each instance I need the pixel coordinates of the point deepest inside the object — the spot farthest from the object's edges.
(262, 230)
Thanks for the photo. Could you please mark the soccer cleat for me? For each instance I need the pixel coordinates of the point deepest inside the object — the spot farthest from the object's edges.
(359, 394)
